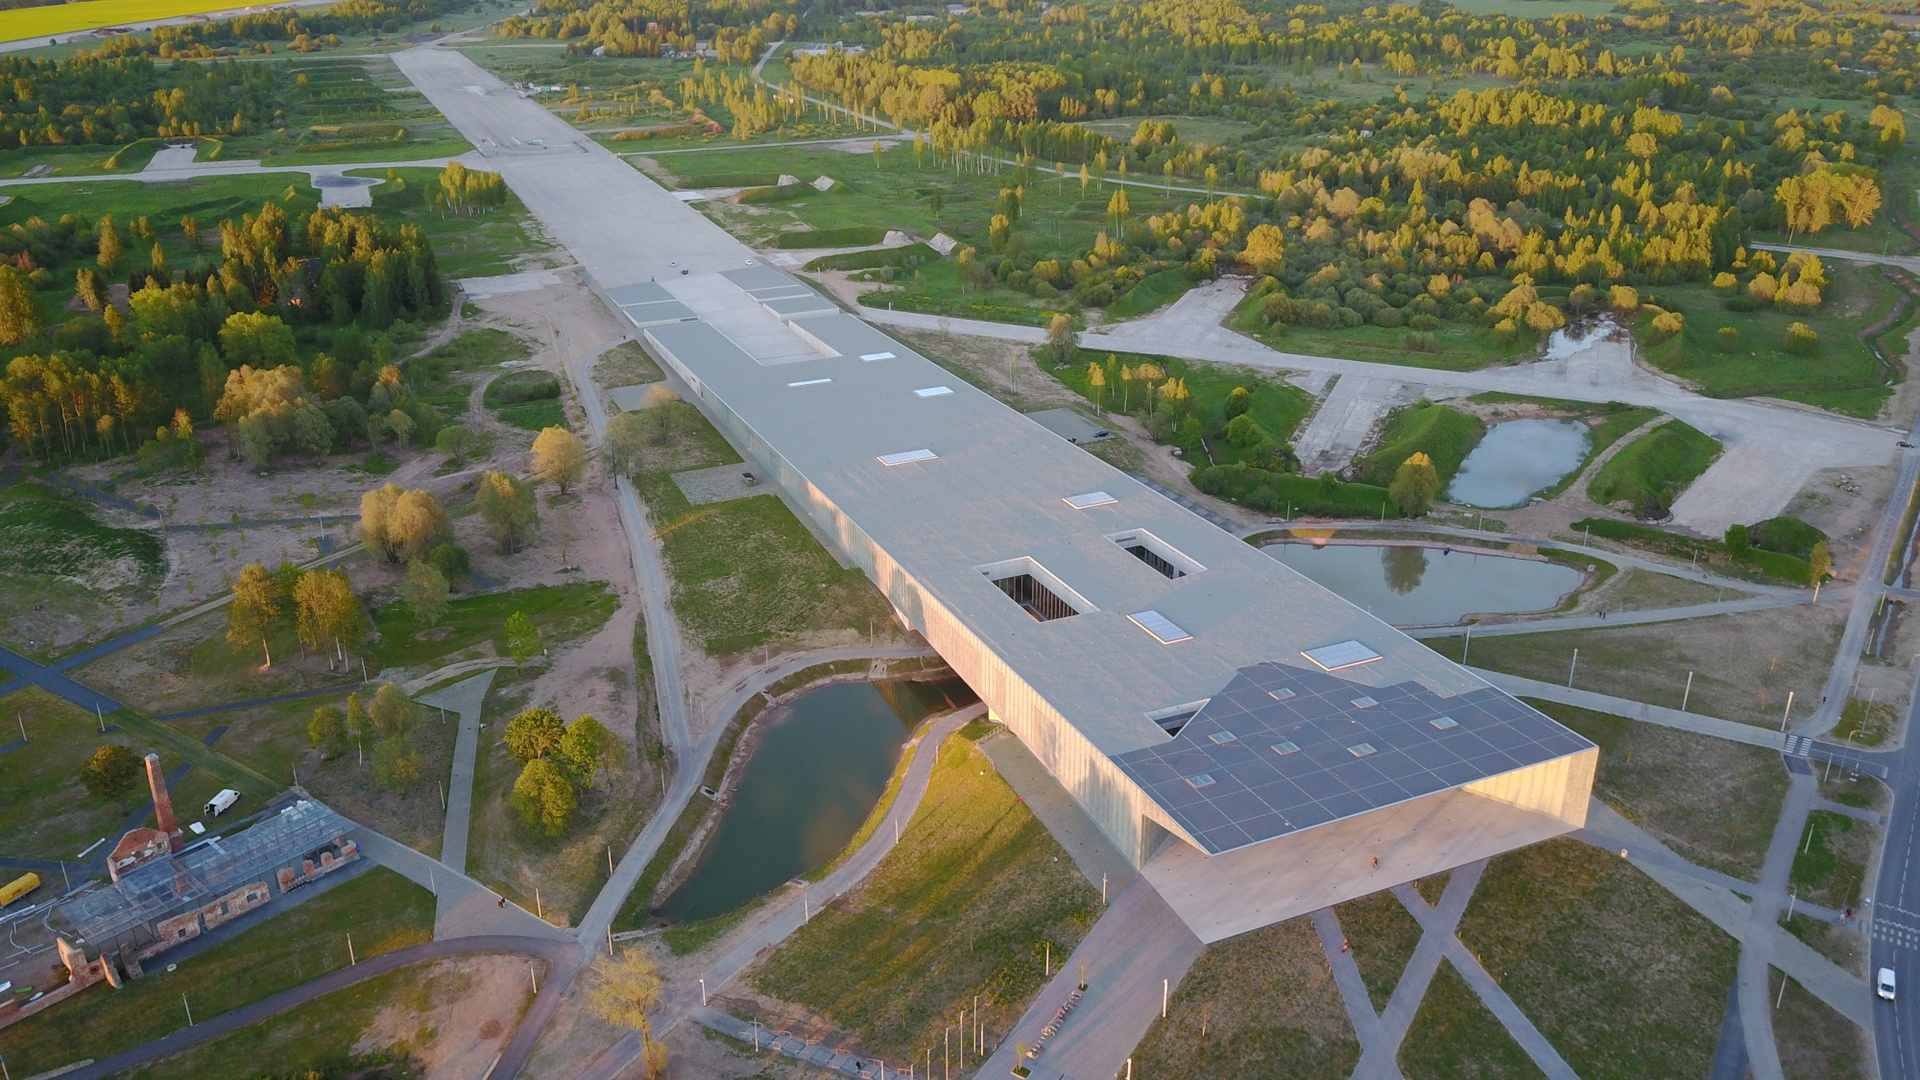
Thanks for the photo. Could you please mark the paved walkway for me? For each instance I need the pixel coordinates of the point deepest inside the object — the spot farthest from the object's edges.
(1520, 686)
(1647, 617)
(1353, 994)
(1436, 932)
(1138, 947)
(466, 908)
(464, 699)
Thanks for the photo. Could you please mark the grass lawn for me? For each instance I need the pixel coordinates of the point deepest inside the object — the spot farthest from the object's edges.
(1815, 1042)
(1455, 346)
(1277, 406)
(1866, 723)
(1383, 937)
(1642, 590)
(476, 625)
(1152, 293)
(1712, 801)
(1657, 465)
(570, 869)
(1744, 665)
(1262, 1004)
(1623, 979)
(745, 572)
(193, 665)
(46, 813)
(960, 906)
(1759, 363)
(1454, 1037)
(436, 376)
(1831, 866)
(381, 909)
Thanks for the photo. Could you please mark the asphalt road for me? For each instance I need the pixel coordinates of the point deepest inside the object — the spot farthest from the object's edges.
(1896, 917)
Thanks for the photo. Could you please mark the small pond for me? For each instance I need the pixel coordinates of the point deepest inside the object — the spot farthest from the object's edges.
(1516, 459)
(1417, 586)
(817, 768)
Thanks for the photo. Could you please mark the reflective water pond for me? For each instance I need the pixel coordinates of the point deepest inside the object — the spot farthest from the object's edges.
(815, 773)
(1516, 459)
(1416, 586)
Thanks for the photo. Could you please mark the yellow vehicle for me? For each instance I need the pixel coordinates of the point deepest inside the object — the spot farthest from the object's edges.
(18, 888)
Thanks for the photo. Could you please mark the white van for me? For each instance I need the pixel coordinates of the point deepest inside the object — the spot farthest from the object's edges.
(1883, 984)
(222, 802)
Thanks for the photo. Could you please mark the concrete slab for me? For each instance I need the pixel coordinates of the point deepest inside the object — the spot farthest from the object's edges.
(657, 314)
(629, 398)
(645, 292)
(464, 700)
(721, 483)
(347, 192)
(1345, 419)
(172, 157)
(480, 288)
(1068, 424)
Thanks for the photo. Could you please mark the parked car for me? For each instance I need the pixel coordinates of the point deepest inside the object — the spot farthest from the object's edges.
(1883, 984)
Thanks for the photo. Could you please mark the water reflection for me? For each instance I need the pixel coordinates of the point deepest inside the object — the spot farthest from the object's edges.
(1516, 459)
(1411, 586)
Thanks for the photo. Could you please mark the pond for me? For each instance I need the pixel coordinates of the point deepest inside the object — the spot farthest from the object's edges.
(1417, 586)
(817, 770)
(1516, 459)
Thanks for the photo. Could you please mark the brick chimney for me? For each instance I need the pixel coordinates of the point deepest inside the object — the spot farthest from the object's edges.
(163, 804)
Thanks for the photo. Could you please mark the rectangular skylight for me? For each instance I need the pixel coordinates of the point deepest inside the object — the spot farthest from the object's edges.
(1343, 654)
(1285, 747)
(1222, 738)
(1090, 499)
(1364, 702)
(906, 456)
(1201, 780)
(810, 382)
(872, 356)
(1444, 722)
(1281, 694)
(933, 391)
(1160, 627)
(1362, 749)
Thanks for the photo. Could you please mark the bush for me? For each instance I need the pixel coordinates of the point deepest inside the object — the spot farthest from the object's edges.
(1243, 433)
(846, 236)
(1727, 338)
(520, 386)
(1424, 322)
(1740, 304)
(451, 560)
(1802, 340)
(1273, 492)
(1443, 434)
(1389, 318)
(1785, 534)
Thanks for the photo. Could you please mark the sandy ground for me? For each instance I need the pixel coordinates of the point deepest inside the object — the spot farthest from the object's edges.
(459, 1018)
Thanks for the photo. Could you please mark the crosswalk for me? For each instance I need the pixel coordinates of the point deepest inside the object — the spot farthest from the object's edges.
(1896, 931)
(1801, 746)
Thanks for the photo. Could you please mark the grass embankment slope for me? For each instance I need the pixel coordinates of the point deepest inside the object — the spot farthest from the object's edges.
(961, 906)
(382, 911)
(1623, 979)
(1443, 434)
(1658, 465)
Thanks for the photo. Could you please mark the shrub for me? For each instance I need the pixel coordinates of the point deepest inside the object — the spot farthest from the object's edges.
(1785, 534)
(910, 255)
(1421, 342)
(1741, 304)
(451, 560)
(1243, 433)
(519, 386)
(1802, 340)
(1278, 492)
(1424, 322)
(1389, 317)
(1727, 338)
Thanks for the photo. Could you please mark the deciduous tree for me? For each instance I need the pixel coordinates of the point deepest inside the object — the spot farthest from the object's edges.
(326, 731)
(1414, 485)
(426, 592)
(544, 797)
(585, 747)
(507, 505)
(392, 711)
(534, 733)
(255, 608)
(523, 638)
(559, 458)
(19, 308)
(111, 773)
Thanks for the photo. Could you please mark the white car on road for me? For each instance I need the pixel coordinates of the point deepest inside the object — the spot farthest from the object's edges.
(1883, 984)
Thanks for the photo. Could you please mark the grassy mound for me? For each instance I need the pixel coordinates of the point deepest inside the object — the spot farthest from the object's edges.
(1445, 435)
(1656, 466)
(845, 236)
(1151, 292)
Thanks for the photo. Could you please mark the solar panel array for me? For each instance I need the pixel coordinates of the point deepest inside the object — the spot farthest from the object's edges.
(1300, 750)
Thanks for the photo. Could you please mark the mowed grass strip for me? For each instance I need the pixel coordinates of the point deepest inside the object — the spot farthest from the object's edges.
(1260, 1004)
(382, 910)
(961, 906)
(1383, 937)
(1712, 801)
(1623, 979)
(1454, 1037)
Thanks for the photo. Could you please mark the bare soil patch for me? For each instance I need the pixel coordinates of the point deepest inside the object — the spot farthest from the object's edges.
(454, 1017)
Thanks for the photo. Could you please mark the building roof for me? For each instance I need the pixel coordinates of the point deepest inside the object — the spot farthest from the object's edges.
(837, 400)
(1284, 747)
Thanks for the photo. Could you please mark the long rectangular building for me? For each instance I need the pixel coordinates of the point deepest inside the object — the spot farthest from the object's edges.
(1251, 740)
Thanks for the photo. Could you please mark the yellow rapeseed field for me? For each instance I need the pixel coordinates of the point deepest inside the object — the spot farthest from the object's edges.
(38, 22)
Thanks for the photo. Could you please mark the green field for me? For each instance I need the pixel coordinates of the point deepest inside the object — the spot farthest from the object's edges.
(1623, 979)
(1443, 434)
(974, 868)
(496, 242)
(560, 612)
(1383, 936)
(1454, 1036)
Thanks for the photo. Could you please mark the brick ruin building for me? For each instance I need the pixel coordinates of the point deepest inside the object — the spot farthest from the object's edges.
(172, 895)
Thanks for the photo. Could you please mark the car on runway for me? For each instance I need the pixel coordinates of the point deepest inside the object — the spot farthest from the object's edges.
(1883, 984)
